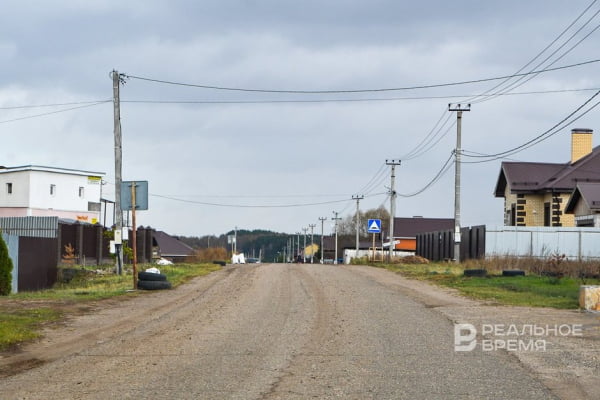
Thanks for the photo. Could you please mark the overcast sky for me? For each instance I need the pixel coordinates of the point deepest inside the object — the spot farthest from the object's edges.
(196, 146)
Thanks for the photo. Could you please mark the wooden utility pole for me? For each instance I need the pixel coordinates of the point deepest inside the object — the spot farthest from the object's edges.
(134, 233)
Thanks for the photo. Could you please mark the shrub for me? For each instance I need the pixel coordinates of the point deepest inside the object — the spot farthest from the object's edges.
(208, 255)
(6, 267)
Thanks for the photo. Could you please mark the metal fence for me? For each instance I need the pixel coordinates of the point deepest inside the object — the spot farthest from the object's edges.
(44, 227)
(541, 242)
(439, 245)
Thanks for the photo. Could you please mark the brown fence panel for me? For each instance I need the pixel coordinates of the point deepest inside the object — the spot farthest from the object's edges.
(439, 245)
(37, 263)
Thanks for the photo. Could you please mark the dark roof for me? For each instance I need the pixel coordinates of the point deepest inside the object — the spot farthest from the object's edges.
(411, 227)
(170, 246)
(589, 192)
(531, 177)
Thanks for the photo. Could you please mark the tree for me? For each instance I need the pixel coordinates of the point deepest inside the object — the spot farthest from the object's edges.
(6, 267)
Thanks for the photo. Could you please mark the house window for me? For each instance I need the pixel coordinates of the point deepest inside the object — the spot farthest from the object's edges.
(81, 191)
(52, 190)
(9, 188)
(546, 214)
(513, 214)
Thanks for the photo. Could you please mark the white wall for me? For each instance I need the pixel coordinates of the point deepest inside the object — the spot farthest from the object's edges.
(31, 190)
(20, 189)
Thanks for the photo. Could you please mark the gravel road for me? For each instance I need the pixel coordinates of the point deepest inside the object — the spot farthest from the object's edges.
(269, 331)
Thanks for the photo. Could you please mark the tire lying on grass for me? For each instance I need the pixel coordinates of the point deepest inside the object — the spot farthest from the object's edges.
(475, 272)
(151, 276)
(221, 263)
(513, 272)
(154, 285)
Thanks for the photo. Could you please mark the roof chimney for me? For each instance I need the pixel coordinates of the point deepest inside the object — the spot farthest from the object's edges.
(581, 143)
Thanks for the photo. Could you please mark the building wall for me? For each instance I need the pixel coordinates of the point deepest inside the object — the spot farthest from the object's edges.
(70, 197)
(529, 209)
(20, 189)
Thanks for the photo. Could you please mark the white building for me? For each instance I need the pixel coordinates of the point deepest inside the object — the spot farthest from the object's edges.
(33, 190)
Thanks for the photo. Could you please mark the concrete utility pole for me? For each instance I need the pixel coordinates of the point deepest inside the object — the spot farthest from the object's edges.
(297, 245)
(457, 153)
(336, 219)
(357, 221)
(312, 243)
(117, 79)
(235, 242)
(304, 250)
(393, 163)
(322, 219)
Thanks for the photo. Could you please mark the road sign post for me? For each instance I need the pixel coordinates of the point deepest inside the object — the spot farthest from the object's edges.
(374, 226)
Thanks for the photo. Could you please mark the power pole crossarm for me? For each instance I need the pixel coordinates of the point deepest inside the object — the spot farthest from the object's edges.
(458, 108)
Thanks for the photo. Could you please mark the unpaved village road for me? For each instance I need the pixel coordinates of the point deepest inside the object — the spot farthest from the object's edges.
(273, 331)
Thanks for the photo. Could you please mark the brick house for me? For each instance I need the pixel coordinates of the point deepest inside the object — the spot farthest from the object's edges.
(585, 205)
(536, 194)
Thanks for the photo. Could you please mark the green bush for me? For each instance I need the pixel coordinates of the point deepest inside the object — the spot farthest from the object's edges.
(6, 267)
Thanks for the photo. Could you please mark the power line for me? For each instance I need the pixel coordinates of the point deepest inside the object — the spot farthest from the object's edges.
(255, 205)
(445, 168)
(472, 99)
(363, 100)
(430, 86)
(91, 102)
(53, 112)
(544, 135)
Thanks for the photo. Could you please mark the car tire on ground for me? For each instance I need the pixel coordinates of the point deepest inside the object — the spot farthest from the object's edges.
(475, 272)
(154, 285)
(513, 272)
(151, 276)
(221, 263)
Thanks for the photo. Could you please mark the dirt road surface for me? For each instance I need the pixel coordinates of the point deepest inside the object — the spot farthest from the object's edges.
(277, 331)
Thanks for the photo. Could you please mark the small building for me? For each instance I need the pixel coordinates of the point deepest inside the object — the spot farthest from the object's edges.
(536, 194)
(34, 190)
(171, 248)
(585, 205)
(407, 229)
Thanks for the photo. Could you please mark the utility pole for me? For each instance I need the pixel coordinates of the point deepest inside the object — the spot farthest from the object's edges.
(312, 243)
(235, 242)
(322, 219)
(457, 153)
(117, 80)
(297, 245)
(304, 250)
(357, 221)
(336, 219)
(393, 164)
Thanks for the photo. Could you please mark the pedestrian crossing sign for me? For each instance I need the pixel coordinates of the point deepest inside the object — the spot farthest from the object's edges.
(374, 226)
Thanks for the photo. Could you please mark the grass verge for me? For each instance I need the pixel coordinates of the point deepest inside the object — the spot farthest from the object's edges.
(19, 322)
(531, 290)
(22, 325)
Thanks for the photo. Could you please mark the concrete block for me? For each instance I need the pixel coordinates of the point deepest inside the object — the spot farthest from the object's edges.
(589, 297)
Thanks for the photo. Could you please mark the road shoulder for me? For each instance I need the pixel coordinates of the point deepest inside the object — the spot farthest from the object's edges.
(569, 365)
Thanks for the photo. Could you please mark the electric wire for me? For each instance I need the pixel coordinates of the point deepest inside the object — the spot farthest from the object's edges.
(391, 89)
(524, 79)
(445, 168)
(52, 112)
(296, 205)
(486, 93)
(556, 128)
